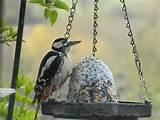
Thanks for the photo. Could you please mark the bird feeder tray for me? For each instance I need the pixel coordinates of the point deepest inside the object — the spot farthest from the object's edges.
(109, 111)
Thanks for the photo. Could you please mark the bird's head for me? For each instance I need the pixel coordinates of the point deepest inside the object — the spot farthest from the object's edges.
(63, 45)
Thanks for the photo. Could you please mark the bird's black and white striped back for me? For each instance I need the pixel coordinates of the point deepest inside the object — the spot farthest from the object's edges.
(47, 70)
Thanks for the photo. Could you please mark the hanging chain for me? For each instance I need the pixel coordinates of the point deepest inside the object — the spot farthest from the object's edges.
(95, 25)
(145, 94)
(70, 19)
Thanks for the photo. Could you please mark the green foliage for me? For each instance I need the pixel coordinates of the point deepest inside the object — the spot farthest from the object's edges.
(51, 8)
(24, 109)
(36, 1)
(61, 5)
(3, 109)
(53, 16)
(9, 34)
(50, 13)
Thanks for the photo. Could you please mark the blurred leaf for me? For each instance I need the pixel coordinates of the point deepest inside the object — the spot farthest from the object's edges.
(14, 35)
(44, 4)
(19, 82)
(22, 80)
(29, 88)
(3, 108)
(19, 97)
(47, 12)
(53, 16)
(23, 99)
(16, 111)
(20, 112)
(61, 5)
(27, 100)
(11, 31)
(2, 29)
(24, 113)
(49, 8)
(49, 1)
(4, 99)
(36, 1)
(9, 34)
(3, 22)
(30, 115)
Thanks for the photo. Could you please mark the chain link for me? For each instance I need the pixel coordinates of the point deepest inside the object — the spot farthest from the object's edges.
(95, 25)
(145, 94)
(70, 19)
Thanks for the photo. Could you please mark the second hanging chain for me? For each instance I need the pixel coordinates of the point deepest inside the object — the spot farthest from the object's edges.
(95, 25)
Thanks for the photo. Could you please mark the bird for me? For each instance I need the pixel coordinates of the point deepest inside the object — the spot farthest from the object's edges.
(54, 70)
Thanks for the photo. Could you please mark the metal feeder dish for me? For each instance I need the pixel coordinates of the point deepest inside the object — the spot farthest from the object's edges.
(92, 95)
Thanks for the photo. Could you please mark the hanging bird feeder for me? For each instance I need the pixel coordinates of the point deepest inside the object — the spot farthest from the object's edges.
(92, 91)
(92, 82)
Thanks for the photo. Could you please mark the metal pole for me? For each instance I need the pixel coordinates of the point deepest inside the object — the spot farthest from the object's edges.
(1, 45)
(17, 57)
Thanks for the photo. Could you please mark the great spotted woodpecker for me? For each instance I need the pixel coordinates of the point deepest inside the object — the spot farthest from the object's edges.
(53, 71)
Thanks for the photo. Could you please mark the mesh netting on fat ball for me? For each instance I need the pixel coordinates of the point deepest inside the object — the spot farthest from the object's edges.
(92, 81)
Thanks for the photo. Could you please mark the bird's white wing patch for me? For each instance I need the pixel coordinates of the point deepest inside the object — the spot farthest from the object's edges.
(49, 61)
(47, 64)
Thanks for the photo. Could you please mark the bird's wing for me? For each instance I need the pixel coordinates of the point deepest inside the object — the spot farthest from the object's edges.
(47, 70)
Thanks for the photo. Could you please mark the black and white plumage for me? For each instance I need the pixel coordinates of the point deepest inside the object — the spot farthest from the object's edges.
(53, 71)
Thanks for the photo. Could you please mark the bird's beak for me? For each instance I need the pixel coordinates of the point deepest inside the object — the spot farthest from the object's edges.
(71, 43)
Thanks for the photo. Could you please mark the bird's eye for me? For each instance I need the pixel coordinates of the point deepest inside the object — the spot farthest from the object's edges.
(64, 41)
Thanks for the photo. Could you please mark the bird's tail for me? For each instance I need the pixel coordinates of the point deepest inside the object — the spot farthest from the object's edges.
(37, 110)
